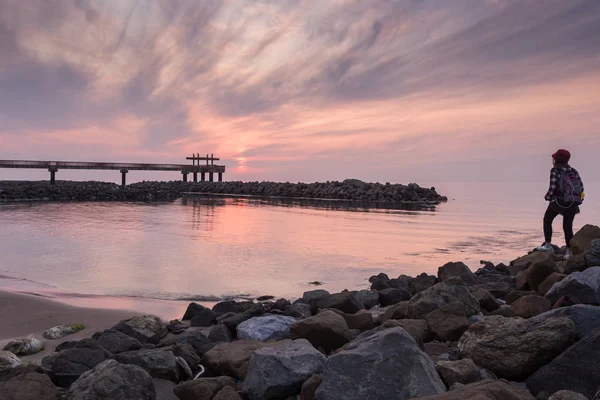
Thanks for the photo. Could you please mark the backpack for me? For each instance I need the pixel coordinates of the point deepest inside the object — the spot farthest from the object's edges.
(570, 189)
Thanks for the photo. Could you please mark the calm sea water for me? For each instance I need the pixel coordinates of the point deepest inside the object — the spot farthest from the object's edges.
(228, 247)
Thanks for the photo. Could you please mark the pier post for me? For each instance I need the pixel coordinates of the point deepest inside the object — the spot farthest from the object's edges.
(220, 177)
(124, 177)
(184, 173)
(203, 176)
(210, 177)
(195, 177)
(52, 171)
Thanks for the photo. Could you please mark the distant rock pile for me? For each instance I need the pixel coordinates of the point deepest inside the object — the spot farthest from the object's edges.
(353, 190)
(524, 331)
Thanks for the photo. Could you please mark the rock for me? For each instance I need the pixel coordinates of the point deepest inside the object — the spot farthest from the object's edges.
(440, 295)
(437, 351)
(312, 296)
(576, 369)
(268, 327)
(203, 388)
(369, 298)
(567, 395)
(25, 346)
(517, 294)
(61, 331)
(585, 286)
(195, 309)
(27, 383)
(187, 353)
(553, 278)
(232, 359)
(158, 363)
(205, 318)
(164, 389)
(461, 371)
(391, 296)
(176, 326)
(398, 311)
(117, 342)
(146, 329)
(345, 301)
(505, 311)
(167, 341)
(279, 372)
(515, 348)
(530, 306)
(422, 282)
(486, 300)
(8, 361)
(224, 307)
(227, 393)
(309, 388)
(577, 262)
(539, 271)
(592, 255)
(416, 328)
(362, 320)
(113, 381)
(582, 240)
(449, 322)
(299, 310)
(204, 339)
(65, 367)
(326, 329)
(232, 322)
(566, 301)
(456, 269)
(585, 318)
(497, 289)
(523, 263)
(484, 390)
(380, 365)
(281, 304)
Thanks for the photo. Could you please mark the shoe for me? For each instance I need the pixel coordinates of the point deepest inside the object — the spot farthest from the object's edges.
(568, 254)
(545, 247)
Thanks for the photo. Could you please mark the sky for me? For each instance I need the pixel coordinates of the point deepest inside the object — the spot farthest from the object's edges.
(303, 90)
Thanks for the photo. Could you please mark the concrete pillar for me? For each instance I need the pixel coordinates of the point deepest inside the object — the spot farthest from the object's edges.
(195, 177)
(52, 175)
(220, 177)
(184, 173)
(210, 177)
(124, 177)
(203, 176)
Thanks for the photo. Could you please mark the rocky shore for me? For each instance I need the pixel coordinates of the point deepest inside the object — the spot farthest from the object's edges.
(348, 190)
(523, 331)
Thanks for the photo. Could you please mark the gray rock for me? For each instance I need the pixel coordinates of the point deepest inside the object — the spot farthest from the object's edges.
(117, 342)
(345, 301)
(380, 365)
(312, 296)
(195, 309)
(278, 372)
(299, 310)
(8, 361)
(514, 348)
(362, 320)
(158, 363)
(327, 330)
(268, 327)
(61, 331)
(461, 371)
(164, 389)
(281, 304)
(584, 286)
(204, 339)
(146, 329)
(203, 388)
(576, 369)
(592, 255)
(450, 291)
(25, 346)
(391, 296)
(205, 318)
(113, 381)
(484, 390)
(369, 298)
(456, 269)
(586, 318)
(27, 383)
(567, 395)
(232, 322)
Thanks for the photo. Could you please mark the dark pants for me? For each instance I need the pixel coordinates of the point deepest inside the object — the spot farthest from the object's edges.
(568, 214)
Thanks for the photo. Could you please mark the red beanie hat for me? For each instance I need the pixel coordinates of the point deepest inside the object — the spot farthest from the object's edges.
(562, 156)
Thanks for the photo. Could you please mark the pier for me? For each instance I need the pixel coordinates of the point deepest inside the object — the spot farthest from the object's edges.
(198, 167)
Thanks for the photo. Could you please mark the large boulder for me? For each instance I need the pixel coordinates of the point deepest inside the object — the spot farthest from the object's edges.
(369, 298)
(233, 321)
(450, 291)
(499, 289)
(486, 300)
(232, 359)
(539, 271)
(111, 380)
(268, 327)
(203, 388)
(65, 367)
(582, 240)
(231, 306)
(61, 331)
(28, 383)
(456, 269)
(460, 371)
(202, 315)
(523, 263)
(398, 311)
(576, 369)
(158, 363)
(117, 342)
(517, 294)
(577, 262)
(24, 347)
(553, 278)
(312, 296)
(449, 322)
(380, 365)
(279, 372)
(362, 320)
(346, 301)
(204, 339)
(417, 328)
(592, 255)
(530, 306)
(8, 361)
(327, 330)
(391, 296)
(586, 318)
(584, 286)
(514, 348)
(146, 328)
(484, 390)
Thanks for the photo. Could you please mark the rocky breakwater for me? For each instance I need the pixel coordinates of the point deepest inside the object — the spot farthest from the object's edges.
(353, 190)
(523, 331)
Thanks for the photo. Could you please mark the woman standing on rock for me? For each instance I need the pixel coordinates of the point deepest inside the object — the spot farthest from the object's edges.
(565, 196)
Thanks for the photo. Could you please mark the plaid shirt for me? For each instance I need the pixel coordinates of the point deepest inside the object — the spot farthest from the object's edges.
(555, 175)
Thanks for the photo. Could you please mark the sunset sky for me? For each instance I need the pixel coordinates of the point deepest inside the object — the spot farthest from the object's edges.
(304, 90)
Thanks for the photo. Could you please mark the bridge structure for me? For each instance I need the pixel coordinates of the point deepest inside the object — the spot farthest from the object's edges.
(197, 167)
